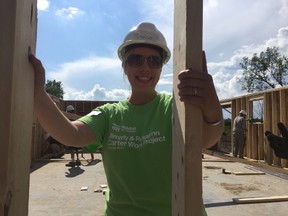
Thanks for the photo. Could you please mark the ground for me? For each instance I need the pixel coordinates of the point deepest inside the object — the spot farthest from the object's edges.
(63, 191)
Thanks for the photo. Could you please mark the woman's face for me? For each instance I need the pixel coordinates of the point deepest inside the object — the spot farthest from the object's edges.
(143, 75)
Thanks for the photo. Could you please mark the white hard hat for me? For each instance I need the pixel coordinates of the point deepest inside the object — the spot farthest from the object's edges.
(145, 33)
(69, 108)
(243, 112)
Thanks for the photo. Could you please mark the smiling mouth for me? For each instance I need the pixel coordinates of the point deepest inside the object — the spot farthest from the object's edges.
(144, 78)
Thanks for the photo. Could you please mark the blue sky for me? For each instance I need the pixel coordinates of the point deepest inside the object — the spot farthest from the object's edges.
(77, 41)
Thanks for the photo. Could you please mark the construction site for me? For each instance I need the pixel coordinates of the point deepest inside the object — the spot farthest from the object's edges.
(255, 185)
(36, 185)
(230, 187)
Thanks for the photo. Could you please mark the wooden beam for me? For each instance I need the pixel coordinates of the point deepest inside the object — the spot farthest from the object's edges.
(224, 171)
(254, 141)
(275, 120)
(283, 97)
(260, 199)
(188, 120)
(261, 141)
(267, 126)
(17, 38)
(255, 163)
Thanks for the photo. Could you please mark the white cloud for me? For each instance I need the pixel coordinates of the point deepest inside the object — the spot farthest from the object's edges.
(165, 81)
(284, 9)
(69, 13)
(43, 5)
(166, 78)
(232, 29)
(161, 14)
(97, 93)
(87, 71)
(85, 67)
(230, 24)
(226, 73)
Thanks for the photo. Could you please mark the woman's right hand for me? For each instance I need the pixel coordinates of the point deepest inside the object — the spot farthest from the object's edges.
(39, 74)
(51, 118)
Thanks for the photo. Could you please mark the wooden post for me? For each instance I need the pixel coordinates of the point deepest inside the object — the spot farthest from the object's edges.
(188, 120)
(254, 142)
(275, 120)
(233, 116)
(261, 142)
(245, 106)
(283, 115)
(17, 38)
(267, 126)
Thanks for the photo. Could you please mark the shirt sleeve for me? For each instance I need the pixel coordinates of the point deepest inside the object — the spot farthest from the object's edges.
(95, 120)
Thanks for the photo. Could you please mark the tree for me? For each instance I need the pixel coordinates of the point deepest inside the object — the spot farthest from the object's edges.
(54, 88)
(266, 71)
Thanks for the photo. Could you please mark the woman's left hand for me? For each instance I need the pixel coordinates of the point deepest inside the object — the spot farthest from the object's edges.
(197, 88)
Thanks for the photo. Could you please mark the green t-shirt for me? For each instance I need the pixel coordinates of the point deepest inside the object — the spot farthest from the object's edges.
(136, 144)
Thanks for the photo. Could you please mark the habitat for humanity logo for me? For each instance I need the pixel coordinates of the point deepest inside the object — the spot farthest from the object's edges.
(123, 128)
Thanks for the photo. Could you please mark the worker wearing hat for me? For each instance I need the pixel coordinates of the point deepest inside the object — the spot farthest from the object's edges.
(70, 109)
(239, 130)
(73, 150)
(135, 134)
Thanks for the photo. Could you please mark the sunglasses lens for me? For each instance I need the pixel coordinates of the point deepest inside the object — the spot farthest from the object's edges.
(135, 60)
(154, 62)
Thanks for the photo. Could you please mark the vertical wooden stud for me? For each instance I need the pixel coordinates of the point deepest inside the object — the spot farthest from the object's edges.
(267, 126)
(283, 115)
(17, 39)
(233, 116)
(249, 133)
(188, 120)
(254, 142)
(261, 138)
(275, 120)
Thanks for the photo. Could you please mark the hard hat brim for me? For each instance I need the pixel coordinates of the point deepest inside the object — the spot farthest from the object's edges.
(121, 49)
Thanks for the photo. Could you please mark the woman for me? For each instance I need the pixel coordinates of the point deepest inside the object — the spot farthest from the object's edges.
(136, 134)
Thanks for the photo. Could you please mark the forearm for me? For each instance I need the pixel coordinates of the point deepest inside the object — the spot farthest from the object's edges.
(54, 121)
(51, 118)
(212, 132)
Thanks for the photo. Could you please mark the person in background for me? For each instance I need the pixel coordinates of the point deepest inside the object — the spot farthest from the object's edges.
(73, 150)
(135, 134)
(239, 134)
(91, 154)
(54, 149)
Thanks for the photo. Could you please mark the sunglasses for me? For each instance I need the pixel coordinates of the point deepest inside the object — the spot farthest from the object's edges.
(136, 60)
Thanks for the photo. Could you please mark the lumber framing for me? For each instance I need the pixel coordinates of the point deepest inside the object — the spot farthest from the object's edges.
(274, 110)
(224, 171)
(246, 200)
(17, 38)
(188, 120)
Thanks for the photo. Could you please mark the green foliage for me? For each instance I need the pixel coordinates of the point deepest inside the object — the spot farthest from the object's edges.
(54, 88)
(265, 71)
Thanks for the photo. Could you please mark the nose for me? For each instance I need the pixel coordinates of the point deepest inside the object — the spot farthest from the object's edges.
(145, 65)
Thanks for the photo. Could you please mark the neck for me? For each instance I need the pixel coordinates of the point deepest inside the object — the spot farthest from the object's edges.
(138, 98)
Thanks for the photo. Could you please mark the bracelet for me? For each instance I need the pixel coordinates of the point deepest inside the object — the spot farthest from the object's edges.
(214, 123)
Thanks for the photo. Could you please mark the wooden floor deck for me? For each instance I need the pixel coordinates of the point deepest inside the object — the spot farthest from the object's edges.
(56, 189)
